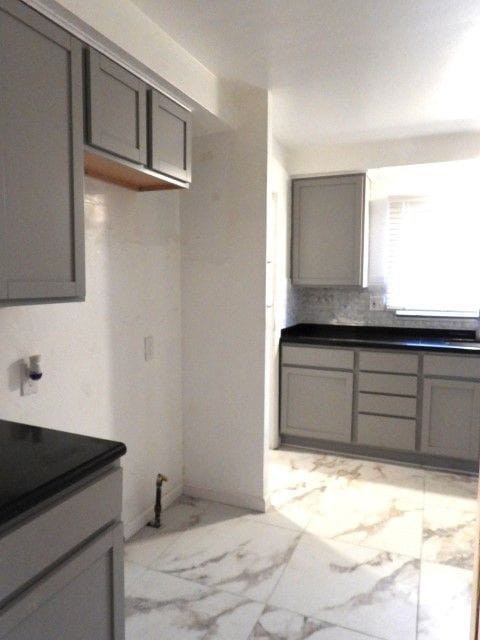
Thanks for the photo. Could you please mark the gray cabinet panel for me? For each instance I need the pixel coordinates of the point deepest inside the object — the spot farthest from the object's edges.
(80, 599)
(452, 366)
(451, 418)
(388, 383)
(116, 109)
(318, 357)
(99, 503)
(327, 240)
(391, 433)
(387, 405)
(41, 168)
(169, 137)
(317, 403)
(389, 362)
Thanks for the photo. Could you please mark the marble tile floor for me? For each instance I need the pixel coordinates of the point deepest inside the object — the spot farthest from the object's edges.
(349, 550)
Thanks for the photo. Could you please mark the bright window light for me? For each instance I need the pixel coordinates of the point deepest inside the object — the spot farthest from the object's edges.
(430, 258)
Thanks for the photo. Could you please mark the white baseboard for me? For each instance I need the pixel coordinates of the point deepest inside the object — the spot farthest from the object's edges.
(132, 526)
(244, 500)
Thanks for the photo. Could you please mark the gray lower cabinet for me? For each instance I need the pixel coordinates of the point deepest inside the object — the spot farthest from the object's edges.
(328, 220)
(417, 406)
(317, 403)
(41, 159)
(451, 418)
(79, 600)
(62, 567)
(116, 112)
(169, 137)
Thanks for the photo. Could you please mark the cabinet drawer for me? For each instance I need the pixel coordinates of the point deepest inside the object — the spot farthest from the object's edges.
(387, 405)
(452, 366)
(33, 546)
(315, 357)
(388, 383)
(391, 433)
(392, 362)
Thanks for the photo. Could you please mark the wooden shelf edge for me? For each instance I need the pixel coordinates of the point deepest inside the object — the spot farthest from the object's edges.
(125, 174)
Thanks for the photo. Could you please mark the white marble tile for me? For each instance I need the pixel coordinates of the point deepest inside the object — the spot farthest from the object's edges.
(373, 515)
(163, 607)
(146, 545)
(132, 573)
(184, 514)
(373, 592)
(241, 556)
(292, 507)
(451, 490)
(279, 624)
(444, 607)
(449, 536)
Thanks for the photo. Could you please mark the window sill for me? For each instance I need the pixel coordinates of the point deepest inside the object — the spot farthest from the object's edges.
(437, 314)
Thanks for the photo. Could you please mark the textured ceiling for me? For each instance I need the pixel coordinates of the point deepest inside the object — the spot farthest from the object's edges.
(341, 70)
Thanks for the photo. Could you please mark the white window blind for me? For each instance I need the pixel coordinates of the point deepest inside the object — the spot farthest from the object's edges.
(431, 262)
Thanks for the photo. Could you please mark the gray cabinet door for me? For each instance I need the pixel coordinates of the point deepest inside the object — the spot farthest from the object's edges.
(169, 137)
(451, 418)
(317, 403)
(83, 598)
(327, 234)
(41, 158)
(116, 109)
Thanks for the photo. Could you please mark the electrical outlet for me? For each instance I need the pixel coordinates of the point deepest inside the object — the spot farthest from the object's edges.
(148, 348)
(377, 303)
(28, 386)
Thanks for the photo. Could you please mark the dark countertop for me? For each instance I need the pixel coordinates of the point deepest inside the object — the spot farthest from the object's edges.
(445, 341)
(37, 463)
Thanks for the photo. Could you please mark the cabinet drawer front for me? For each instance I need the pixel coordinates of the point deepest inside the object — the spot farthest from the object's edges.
(391, 433)
(392, 362)
(452, 366)
(33, 546)
(387, 405)
(388, 383)
(314, 357)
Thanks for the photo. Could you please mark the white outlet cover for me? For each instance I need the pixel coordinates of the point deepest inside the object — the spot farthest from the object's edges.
(29, 387)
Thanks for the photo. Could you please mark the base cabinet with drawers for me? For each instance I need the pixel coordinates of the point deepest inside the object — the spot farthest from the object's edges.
(414, 406)
(62, 568)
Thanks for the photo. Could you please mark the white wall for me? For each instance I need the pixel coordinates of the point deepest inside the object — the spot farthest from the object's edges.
(223, 227)
(278, 251)
(127, 33)
(96, 381)
(386, 153)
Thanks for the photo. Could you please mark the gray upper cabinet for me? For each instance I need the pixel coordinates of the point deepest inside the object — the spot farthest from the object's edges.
(169, 137)
(41, 159)
(328, 219)
(116, 111)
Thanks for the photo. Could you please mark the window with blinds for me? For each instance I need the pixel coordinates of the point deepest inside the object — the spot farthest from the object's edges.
(431, 261)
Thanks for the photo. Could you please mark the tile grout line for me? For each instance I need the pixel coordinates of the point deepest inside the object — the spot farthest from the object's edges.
(420, 559)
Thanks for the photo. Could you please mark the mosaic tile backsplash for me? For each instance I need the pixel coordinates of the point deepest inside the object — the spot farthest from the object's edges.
(352, 306)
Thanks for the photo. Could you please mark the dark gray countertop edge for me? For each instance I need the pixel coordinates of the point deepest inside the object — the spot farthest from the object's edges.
(381, 344)
(61, 483)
